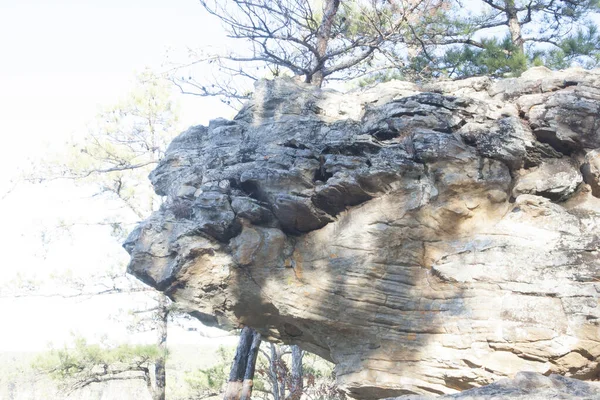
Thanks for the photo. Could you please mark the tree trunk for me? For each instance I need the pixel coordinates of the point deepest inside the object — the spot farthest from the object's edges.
(160, 376)
(251, 364)
(514, 26)
(147, 379)
(296, 384)
(241, 376)
(281, 372)
(323, 35)
(273, 372)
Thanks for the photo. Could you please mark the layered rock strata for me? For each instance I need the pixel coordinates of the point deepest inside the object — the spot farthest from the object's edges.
(427, 240)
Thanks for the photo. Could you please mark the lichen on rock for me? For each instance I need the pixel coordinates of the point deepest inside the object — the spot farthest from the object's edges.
(426, 240)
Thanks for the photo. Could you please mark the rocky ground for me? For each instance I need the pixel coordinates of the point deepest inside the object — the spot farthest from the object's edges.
(525, 386)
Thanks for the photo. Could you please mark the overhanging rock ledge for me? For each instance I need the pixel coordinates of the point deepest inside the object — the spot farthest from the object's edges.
(426, 239)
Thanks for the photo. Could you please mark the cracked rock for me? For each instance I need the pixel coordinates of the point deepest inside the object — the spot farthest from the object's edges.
(556, 179)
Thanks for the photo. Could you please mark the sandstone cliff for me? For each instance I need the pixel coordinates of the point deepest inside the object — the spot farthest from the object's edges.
(425, 239)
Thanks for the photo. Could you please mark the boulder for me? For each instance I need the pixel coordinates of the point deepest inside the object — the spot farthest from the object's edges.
(425, 240)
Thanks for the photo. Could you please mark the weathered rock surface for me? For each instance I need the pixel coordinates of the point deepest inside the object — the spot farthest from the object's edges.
(525, 386)
(426, 240)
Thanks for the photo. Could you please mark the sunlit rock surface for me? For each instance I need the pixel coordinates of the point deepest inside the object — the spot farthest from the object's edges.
(427, 240)
(524, 386)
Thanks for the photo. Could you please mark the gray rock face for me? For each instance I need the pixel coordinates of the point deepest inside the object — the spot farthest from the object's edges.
(426, 240)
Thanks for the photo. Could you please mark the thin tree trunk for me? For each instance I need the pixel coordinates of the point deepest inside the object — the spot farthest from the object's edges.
(323, 35)
(281, 372)
(297, 385)
(514, 26)
(160, 376)
(273, 372)
(241, 376)
(148, 380)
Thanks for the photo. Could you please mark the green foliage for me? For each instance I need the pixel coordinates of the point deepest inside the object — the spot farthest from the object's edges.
(379, 77)
(501, 38)
(211, 379)
(80, 365)
(582, 48)
(498, 58)
(354, 20)
(122, 147)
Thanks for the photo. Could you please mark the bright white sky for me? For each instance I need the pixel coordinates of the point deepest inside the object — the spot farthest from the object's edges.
(63, 58)
(60, 61)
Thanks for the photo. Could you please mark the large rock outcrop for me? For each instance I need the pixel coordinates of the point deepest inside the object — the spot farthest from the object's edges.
(426, 239)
